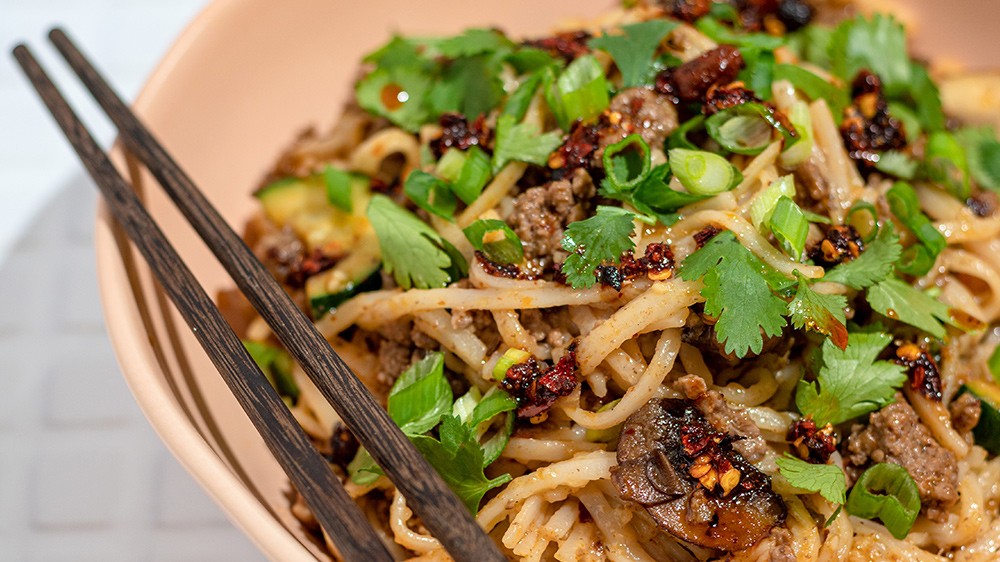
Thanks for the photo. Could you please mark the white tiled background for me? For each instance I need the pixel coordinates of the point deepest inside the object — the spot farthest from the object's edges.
(82, 476)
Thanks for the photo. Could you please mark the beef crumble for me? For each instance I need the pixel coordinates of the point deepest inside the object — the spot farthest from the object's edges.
(895, 434)
(542, 213)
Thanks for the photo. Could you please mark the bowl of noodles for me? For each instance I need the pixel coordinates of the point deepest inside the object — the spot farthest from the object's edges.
(680, 280)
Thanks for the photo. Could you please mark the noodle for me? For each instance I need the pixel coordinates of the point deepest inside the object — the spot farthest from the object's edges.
(578, 284)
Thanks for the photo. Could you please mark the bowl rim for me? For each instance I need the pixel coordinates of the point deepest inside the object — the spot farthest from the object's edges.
(132, 347)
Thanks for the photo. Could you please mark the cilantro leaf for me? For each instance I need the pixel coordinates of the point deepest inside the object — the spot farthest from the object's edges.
(898, 300)
(522, 142)
(458, 457)
(420, 396)
(819, 312)
(826, 479)
(737, 291)
(430, 194)
(983, 152)
(475, 42)
(633, 50)
(877, 44)
(873, 265)
(851, 382)
(406, 89)
(469, 85)
(602, 237)
(412, 251)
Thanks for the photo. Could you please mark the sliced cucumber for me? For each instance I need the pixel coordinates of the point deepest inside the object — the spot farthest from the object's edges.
(356, 273)
(987, 431)
(302, 204)
(276, 364)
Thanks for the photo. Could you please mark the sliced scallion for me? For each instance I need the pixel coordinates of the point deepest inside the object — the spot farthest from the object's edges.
(496, 240)
(473, 176)
(763, 205)
(947, 164)
(430, 194)
(800, 151)
(511, 357)
(703, 173)
(679, 138)
(904, 204)
(886, 491)
(626, 163)
(789, 226)
(994, 364)
(582, 92)
(746, 128)
(864, 218)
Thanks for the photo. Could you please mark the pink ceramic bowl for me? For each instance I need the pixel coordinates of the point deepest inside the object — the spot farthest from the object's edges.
(244, 78)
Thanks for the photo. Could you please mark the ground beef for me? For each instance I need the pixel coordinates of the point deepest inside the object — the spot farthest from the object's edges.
(782, 546)
(397, 345)
(545, 326)
(894, 434)
(965, 411)
(639, 110)
(541, 213)
(735, 422)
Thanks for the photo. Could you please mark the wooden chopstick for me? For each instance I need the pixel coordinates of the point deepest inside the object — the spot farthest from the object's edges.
(426, 493)
(309, 472)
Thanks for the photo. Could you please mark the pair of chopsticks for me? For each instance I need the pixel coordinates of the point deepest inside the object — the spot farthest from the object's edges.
(426, 493)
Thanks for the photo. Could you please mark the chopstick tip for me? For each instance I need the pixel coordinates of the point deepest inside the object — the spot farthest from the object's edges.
(56, 34)
(21, 52)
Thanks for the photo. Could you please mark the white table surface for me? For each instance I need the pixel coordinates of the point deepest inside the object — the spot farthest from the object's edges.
(82, 475)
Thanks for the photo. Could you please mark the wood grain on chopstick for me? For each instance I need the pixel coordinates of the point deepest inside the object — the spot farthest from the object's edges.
(426, 493)
(308, 471)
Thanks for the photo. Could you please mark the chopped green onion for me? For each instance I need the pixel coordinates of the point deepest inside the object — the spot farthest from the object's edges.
(946, 164)
(338, 188)
(746, 128)
(888, 492)
(916, 260)
(626, 163)
(904, 204)
(994, 364)
(276, 364)
(449, 167)
(679, 138)
(474, 175)
(430, 194)
(799, 152)
(608, 434)
(763, 205)
(511, 357)
(741, 134)
(518, 102)
(582, 92)
(816, 218)
(790, 227)
(496, 240)
(864, 218)
(895, 163)
(703, 173)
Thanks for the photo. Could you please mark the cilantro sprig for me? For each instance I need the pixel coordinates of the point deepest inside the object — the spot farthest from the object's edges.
(633, 50)
(850, 382)
(596, 240)
(826, 479)
(738, 290)
(419, 402)
(413, 252)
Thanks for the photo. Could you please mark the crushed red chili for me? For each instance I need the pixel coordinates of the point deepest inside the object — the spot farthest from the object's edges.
(458, 132)
(704, 235)
(868, 129)
(812, 443)
(842, 243)
(567, 45)
(536, 386)
(657, 263)
(925, 378)
(691, 81)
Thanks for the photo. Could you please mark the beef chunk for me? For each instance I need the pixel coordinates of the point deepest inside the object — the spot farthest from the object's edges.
(965, 411)
(690, 81)
(686, 10)
(542, 213)
(894, 434)
(684, 469)
(639, 110)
